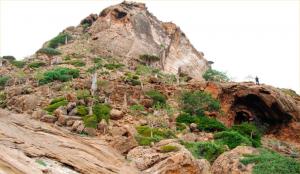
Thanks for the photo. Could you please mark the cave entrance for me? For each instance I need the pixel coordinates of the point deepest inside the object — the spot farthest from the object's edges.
(119, 14)
(251, 108)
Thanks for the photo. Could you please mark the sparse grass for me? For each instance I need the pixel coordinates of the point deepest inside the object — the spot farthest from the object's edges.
(57, 100)
(144, 134)
(168, 148)
(148, 59)
(77, 63)
(137, 108)
(82, 110)
(83, 94)
(41, 162)
(132, 79)
(3, 81)
(268, 162)
(60, 74)
(112, 66)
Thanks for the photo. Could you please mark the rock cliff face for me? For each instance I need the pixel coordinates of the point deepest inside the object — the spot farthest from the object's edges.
(129, 30)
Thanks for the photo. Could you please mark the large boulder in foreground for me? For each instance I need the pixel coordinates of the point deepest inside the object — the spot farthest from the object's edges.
(229, 162)
(161, 161)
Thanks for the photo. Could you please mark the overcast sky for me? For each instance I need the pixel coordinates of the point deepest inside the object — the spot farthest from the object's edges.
(242, 37)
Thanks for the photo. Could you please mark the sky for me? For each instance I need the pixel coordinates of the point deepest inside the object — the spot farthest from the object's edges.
(243, 38)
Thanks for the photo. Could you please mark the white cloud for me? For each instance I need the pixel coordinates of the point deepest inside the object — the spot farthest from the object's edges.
(243, 38)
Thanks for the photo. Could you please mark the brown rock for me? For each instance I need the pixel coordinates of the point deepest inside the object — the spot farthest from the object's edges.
(70, 122)
(193, 127)
(147, 103)
(229, 162)
(116, 114)
(90, 131)
(102, 126)
(38, 114)
(48, 118)
(71, 97)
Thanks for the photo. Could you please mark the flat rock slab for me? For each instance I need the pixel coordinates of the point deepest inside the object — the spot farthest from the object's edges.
(22, 140)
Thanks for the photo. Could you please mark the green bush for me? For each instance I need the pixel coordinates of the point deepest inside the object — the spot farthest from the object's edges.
(214, 75)
(209, 124)
(197, 102)
(232, 139)
(146, 141)
(56, 105)
(36, 64)
(49, 51)
(148, 59)
(57, 100)
(77, 63)
(3, 80)
(157, 97)
(9, 58)
(60, 74)
(58, 40)
(112, 66)
(83, 94)
(207, 150)
(268, 162)
(186, 118)
(137, 108)
(249, 130)
(2, 99)
(168, 148)
(132, 79)
(18, 63)
(102, 112)
(82, 110)
(180, 126)
(158, 132)
(90, 121)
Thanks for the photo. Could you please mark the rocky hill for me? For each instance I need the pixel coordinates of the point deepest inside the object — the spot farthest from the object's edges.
(123, 92)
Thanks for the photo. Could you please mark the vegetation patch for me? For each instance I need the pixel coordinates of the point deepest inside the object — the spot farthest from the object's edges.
(57, 100)
(2, 99)
(59, 40)
(146, 134)
(82, 110)
(90, 121)
(232, 139)
(112, 66)
(54, 106)
(148, 59)
(137, 108)
(214, 75)
(250, 131)
(268, 162)
(101, 111)
(168, 148)
(209, 124)
(132, 79)
(9, 58)
(195, 103)
(60, 74)
(207, 150)
(3, 81)
(83, 94)
(36, 64)
(49, 51)
(18, 63)
(157, 97)
(77, 63)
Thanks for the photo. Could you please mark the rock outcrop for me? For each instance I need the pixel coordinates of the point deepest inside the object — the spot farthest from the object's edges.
(263, 104)
(130, 30)
(22, 140)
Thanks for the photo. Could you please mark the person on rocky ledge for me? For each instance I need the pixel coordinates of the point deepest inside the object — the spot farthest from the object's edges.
(256, 80)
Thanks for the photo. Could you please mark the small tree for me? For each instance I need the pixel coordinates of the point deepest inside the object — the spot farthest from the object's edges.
(148, 59)
(214, 75)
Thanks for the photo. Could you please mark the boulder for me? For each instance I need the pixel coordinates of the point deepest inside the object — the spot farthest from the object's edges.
(229, 162)
(193, 127)
(77, 126)
(38, 114)
(90, 131)
(49, 118)
(24, 103)
(116, 114)
(102, 126)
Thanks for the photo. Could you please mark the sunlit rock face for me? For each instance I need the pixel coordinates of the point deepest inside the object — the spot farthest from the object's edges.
(128, 30)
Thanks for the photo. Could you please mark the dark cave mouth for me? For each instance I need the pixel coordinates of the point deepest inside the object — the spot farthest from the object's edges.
(252, 109)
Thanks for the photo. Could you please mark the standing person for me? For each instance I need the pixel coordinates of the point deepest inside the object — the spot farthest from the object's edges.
(256, 80)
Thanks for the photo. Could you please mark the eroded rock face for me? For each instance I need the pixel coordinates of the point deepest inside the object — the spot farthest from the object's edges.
(23, 139)
(262, 104)
(153, 160)
(229, 162)
(130, 30)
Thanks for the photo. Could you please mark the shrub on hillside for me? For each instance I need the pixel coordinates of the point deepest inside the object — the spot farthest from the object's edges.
(148, 59)
(59, 40)
(186, 118)
(3, 81)
(83, 94)
(2, 99)
(57, 100)
(77, 63)
(249, 130)
(112, 66)
(214, 75)
(268, 162)
(132, 79)
(232, 139)
(60, 74)
(36, 64)
(18, 63)
(101, 111)
(157, 97)
(209, 124)
(207, 150)
(49, 51)
(90, 121)
(144, 134)
(9, 58)
(54, 106)
(82, 110)
(197, 102)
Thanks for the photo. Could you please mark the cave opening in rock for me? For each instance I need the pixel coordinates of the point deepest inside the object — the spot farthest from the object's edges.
(119, 14)
(251, 108)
